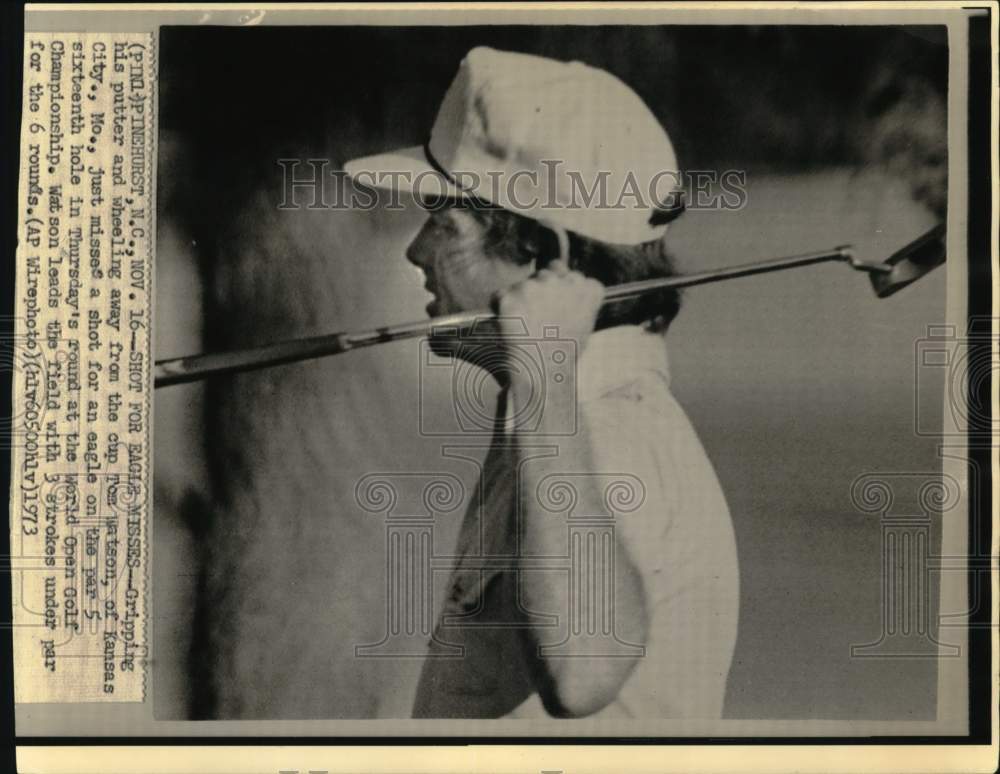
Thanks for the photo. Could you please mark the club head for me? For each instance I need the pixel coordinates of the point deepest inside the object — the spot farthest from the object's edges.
(910, 263)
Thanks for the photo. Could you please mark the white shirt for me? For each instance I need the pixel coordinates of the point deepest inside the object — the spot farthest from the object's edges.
(680, 539)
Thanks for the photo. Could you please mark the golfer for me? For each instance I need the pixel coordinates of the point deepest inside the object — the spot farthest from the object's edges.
(546, 181)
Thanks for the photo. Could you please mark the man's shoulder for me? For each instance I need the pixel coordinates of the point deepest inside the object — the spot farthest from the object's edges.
(621, 360)
(644, 397)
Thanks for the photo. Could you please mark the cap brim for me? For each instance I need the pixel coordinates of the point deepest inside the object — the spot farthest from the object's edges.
(406, 169)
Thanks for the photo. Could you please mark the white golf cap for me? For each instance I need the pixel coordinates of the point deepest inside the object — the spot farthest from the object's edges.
(561, 142)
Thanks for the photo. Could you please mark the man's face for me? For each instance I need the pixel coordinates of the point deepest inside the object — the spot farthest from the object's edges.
(461, 277)
(458, 272)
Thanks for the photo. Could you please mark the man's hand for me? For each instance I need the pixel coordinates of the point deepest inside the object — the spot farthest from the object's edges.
(554, 296)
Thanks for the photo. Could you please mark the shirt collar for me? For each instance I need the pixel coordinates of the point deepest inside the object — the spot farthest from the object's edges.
(612, 358)
(615, 357)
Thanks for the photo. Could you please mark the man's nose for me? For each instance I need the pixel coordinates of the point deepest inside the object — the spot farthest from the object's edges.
(415, 253)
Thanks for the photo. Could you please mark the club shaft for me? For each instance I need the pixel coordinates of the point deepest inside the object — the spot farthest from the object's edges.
(196, 367)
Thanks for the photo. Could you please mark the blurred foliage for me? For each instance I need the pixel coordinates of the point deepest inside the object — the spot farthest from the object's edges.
(749, 97)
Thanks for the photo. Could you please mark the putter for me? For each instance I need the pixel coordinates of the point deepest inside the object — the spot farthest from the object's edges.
(896, 272)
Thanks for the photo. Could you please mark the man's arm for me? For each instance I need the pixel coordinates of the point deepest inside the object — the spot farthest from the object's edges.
(571, 686)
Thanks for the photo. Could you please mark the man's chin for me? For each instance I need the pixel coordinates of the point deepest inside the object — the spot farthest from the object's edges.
(471, 344)
(442, 344)
(445, 346)
(480, 352)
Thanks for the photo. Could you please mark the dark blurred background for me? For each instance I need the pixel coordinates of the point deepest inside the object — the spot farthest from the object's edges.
(778, 98)
(267, 573)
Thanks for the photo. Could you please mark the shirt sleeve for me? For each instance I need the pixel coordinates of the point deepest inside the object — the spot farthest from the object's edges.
(680, 540)
(625, 449)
